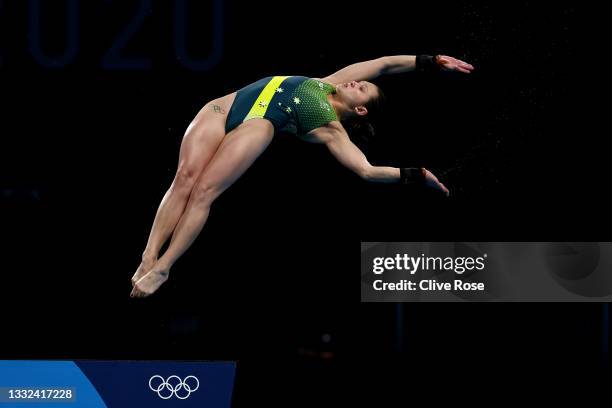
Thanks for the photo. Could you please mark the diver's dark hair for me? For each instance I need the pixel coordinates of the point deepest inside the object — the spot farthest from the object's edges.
(361, 128)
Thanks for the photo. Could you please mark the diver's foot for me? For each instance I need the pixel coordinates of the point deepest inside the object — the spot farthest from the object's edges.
(149, 283)
(144, 267)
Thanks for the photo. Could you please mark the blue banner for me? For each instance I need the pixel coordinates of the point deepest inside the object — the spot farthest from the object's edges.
(94, 384)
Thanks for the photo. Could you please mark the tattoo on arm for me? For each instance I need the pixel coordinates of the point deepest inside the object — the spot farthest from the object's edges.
(218, 109)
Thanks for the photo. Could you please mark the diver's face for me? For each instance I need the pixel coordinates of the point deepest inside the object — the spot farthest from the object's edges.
(356, 94)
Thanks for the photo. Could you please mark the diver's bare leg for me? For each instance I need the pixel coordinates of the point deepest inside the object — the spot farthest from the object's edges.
(202, 139)
(237, 152)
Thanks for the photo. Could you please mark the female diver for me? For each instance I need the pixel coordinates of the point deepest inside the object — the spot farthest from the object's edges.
(230, 132)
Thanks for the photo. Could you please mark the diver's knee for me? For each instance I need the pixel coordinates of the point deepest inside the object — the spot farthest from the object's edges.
(204, 193)
(185, 178)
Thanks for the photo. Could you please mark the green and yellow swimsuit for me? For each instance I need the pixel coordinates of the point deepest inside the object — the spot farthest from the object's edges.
(295, 104)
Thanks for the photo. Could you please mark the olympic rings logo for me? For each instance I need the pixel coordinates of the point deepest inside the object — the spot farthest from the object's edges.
(173, 386)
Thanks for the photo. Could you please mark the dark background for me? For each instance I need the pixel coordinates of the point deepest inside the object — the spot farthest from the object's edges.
(93, 113)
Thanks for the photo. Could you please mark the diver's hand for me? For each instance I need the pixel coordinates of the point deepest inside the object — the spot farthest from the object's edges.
(433, 182)
(447, 63)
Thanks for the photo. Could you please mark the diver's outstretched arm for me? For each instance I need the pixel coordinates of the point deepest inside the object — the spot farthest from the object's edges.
(360, 71)
(339, 144)
(396, 64)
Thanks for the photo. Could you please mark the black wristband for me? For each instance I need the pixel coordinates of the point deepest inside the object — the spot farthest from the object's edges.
(427, 63)
(412, 175)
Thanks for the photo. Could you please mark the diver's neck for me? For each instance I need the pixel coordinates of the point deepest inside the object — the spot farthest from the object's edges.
(342, 111)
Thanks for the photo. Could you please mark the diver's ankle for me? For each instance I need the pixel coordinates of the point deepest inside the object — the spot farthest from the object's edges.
(148, 257)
